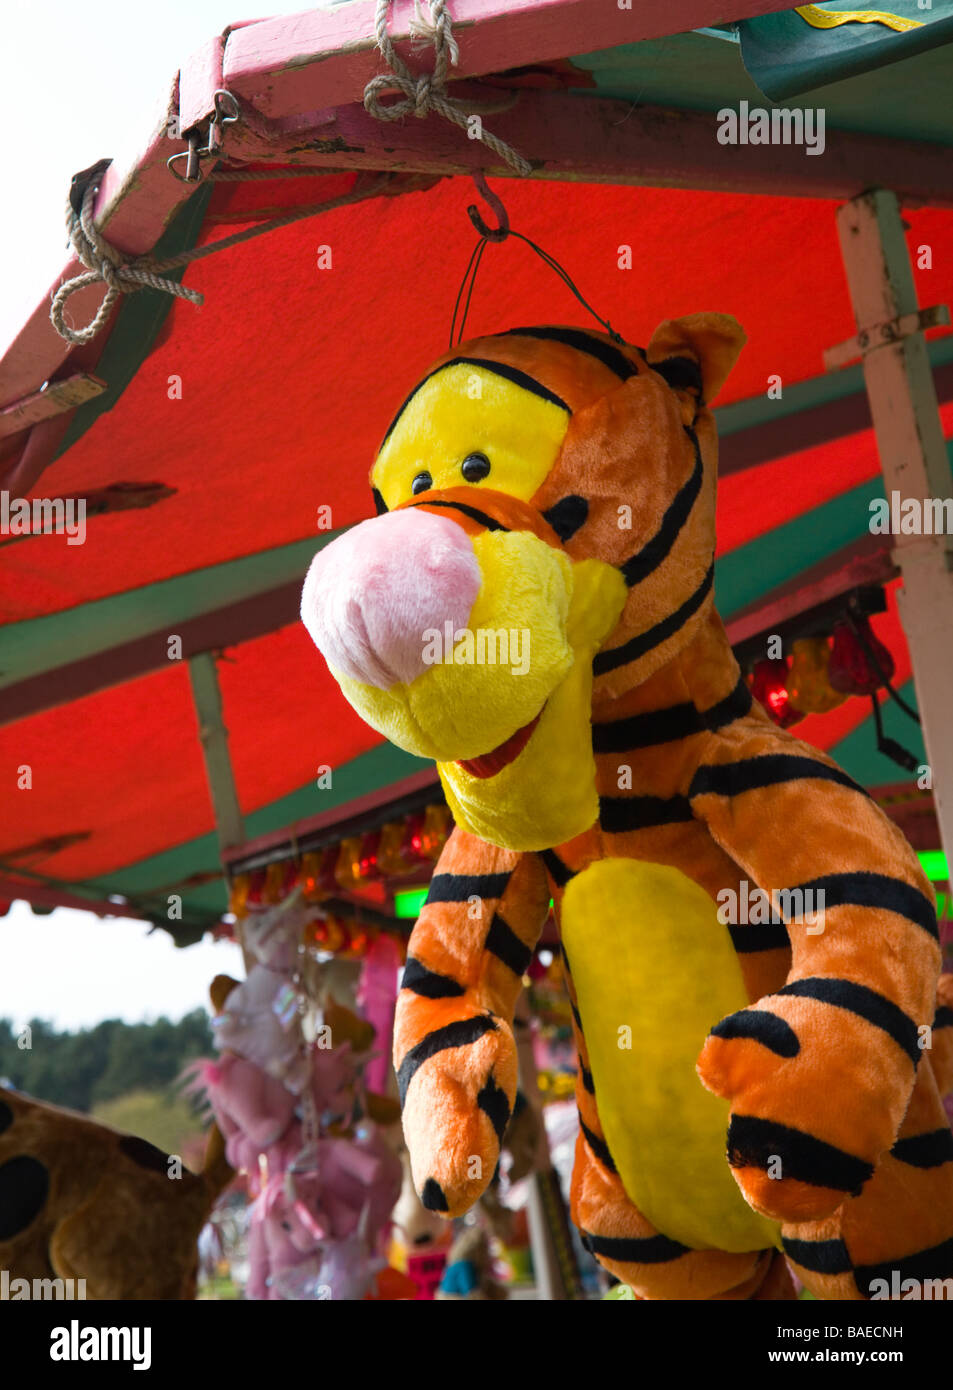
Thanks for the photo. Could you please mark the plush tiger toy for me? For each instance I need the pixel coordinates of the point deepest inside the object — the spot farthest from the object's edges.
(533, 609)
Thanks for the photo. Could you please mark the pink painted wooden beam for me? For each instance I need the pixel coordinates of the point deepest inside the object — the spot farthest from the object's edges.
(200, 77)
(571, 136)
(325, 57)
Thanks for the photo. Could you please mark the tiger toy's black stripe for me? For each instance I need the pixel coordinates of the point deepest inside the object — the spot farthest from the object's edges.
(644, 642)
(474, 513)
(599, 1147)
(656, 551)
(428, 983)
(757, 1143)
(761, 1027)
(766, 770)
(498, 369)
(880, 891)
(621, 814)
(502, 942)
(819, 1256)
(925, 1150)
(567, 515)
(754, 936)
(635, 1250)
(459, 888)
(559, 872)
(865, 1003)
(494, 1104)
(671, 724)
(577, 338)
(460, 1034)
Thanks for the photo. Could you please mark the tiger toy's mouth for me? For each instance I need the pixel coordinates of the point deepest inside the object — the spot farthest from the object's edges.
(403, 608)
(506, 752)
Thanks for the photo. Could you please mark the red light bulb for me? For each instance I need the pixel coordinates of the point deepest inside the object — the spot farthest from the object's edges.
(769, 684)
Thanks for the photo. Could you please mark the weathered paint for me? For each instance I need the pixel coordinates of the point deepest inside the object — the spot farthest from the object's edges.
(325, 57)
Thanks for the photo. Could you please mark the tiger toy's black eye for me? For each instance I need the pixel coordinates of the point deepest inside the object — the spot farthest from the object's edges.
(475, 467)
(421, 483)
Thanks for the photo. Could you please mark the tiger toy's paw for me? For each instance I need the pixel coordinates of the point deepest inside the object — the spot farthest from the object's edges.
(457, 1086)
(811, 1111)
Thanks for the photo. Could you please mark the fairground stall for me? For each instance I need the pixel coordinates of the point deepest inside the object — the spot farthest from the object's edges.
(325, 202)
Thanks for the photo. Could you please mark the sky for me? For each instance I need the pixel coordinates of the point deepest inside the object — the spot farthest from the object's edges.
(77, 85)
(74, 969)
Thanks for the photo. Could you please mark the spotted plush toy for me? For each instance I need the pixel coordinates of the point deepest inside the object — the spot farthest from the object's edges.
(81, 1201)
(533, 609)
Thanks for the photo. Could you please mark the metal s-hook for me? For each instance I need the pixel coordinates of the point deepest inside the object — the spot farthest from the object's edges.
(502, 230)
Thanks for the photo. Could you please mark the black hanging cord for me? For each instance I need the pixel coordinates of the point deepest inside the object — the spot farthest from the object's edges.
(500, 233)
(889, 746)
(470, 274)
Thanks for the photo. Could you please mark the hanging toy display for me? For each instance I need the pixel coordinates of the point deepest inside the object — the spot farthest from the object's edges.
(626, 773)
(288, 1093)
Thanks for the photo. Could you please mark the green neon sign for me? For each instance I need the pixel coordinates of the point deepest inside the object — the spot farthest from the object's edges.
(409, 901)
(933, 862)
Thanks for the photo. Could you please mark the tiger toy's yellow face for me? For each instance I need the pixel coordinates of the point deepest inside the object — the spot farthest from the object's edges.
(546, 528)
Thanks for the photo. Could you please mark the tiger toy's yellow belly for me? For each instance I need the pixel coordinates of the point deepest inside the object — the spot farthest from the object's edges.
(653, 970)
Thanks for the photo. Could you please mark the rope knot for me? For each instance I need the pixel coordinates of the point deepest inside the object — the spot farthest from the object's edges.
(423, 96)
(104, 265)
(428, 92)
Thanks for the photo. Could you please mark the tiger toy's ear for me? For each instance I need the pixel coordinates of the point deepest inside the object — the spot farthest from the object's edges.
(695, 354)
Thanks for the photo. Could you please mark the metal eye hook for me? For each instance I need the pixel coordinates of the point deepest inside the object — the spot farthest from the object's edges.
(226, 107)
(225, 111)
(502, 230)
(192, 157)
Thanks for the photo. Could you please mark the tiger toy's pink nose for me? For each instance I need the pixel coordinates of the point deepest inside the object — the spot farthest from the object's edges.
(371, 596)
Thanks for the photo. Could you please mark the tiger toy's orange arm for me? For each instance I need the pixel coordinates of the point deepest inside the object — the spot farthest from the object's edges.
(453, 1042)
(820, 1073)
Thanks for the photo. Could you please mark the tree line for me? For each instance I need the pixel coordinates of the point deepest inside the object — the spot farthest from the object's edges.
(82, 1069)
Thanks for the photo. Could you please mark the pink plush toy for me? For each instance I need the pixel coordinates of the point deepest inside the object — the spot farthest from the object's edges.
(251, 1108)
(323, 1226)
(284, 1236)
(250, 1024)
(287, 1109)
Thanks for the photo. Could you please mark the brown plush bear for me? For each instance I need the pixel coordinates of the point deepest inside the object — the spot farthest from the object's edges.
(81, 1201)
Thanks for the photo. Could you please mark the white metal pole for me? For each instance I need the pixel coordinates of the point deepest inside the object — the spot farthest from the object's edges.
(550, 1286)
(913, 456)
